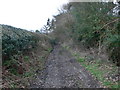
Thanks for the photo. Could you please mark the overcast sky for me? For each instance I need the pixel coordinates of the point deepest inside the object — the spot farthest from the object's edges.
(28, 14)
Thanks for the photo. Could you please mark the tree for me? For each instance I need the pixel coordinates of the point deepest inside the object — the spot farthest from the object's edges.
(48, 27)
(37, 31)
(89, 24)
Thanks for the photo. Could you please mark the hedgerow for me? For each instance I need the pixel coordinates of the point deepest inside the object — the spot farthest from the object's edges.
(15, 41)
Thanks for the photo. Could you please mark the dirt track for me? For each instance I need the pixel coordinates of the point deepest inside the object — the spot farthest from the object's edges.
(62, 70)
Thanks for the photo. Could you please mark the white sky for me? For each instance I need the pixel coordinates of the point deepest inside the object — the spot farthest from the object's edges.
(28, 14)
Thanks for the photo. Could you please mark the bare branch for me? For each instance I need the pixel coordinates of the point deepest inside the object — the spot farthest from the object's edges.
(110, 23)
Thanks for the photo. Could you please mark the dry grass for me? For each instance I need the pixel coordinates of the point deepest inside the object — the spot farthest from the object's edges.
(28, 63)
(103, 70)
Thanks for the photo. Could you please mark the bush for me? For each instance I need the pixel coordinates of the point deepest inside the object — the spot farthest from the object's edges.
(93, 27)
(53, 42)
(16, 42)
(113, 48)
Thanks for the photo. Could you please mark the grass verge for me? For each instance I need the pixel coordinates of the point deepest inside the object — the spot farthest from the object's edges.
(106, 73)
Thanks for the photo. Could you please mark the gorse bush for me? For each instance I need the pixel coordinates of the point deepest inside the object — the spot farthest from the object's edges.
(16, 43)
(12, 46)
(13, 42)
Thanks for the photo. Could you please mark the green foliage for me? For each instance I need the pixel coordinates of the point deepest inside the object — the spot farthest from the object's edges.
(90, 19)
(11, 65)
(100, 73)
(92, 27)
(14, 71)
(113, 43)
(37, 31)
(16, 40)
(28, 74)
(50, 49)
(13, 85)
(53, 42)
(66, 47)
(26, 58)
(81, 59)
(113, 48)
(10, 62)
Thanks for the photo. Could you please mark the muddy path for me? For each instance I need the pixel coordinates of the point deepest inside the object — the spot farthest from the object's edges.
(62, 70)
